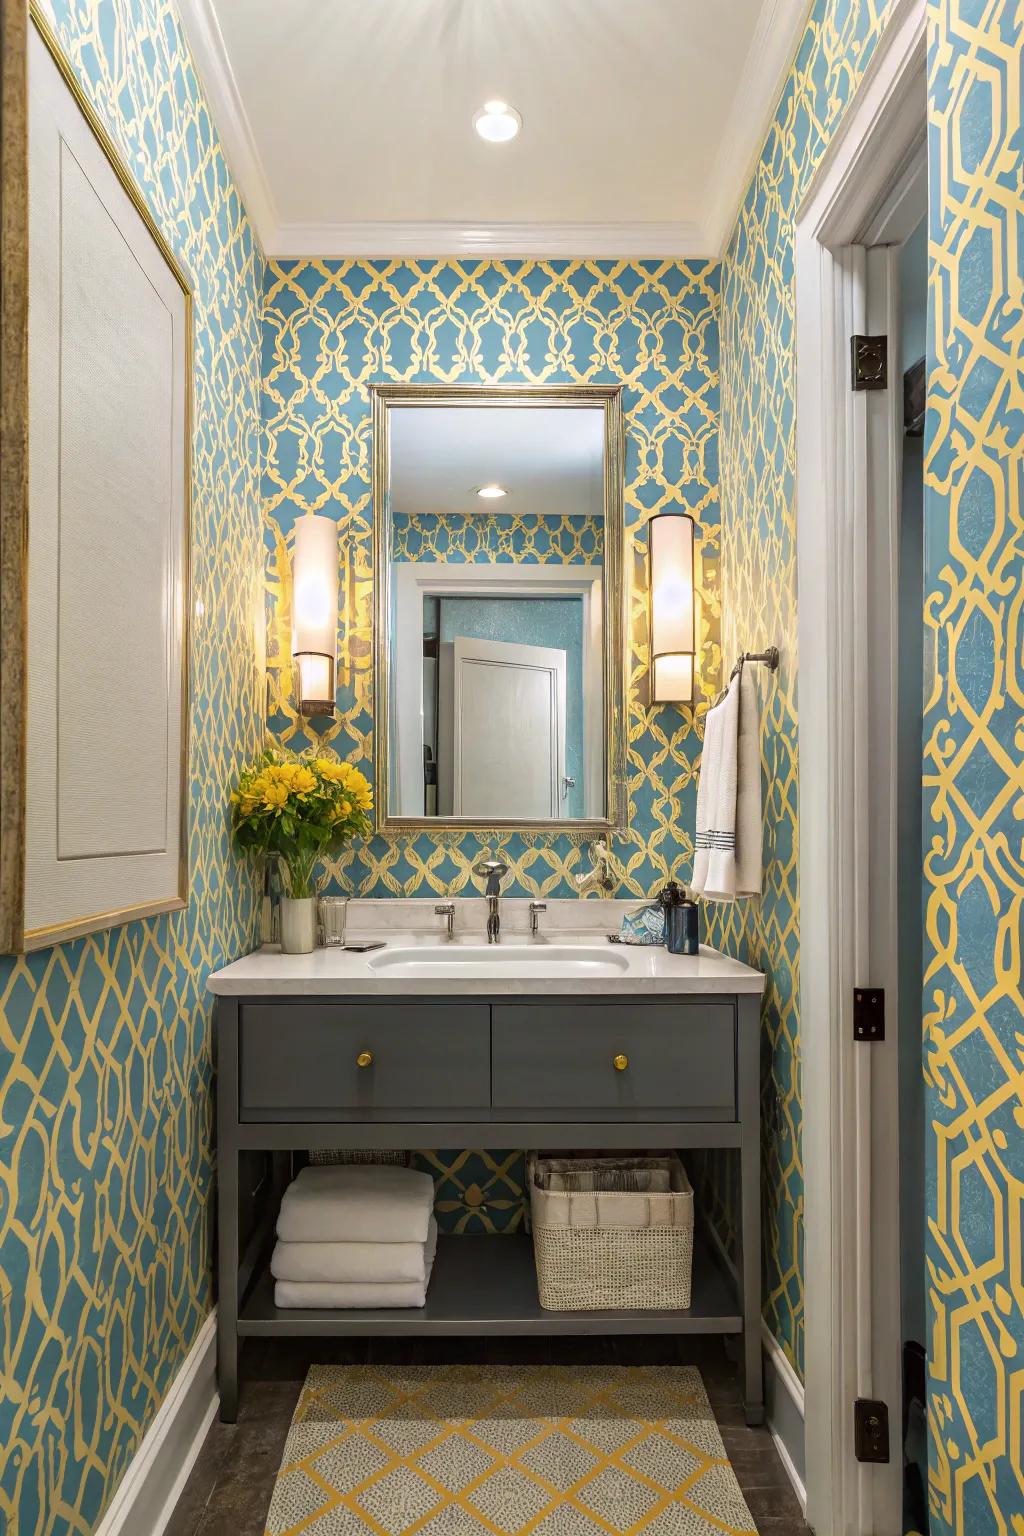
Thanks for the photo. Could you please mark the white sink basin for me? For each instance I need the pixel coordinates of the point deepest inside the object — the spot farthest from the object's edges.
(500, 960)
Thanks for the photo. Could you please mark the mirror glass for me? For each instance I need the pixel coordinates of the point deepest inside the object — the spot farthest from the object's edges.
(495, 532)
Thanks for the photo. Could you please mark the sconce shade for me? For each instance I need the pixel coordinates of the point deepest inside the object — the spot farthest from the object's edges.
(671, 547)
(315, 612)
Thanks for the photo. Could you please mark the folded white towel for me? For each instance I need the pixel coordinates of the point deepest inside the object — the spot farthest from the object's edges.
(357, 1203)
(355, 1263)
(727, 857)
(289, 1293)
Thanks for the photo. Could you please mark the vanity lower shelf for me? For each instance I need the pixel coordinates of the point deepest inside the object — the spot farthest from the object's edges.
(487, 1286)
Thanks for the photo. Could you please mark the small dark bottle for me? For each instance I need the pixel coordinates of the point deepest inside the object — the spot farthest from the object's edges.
(681, 936)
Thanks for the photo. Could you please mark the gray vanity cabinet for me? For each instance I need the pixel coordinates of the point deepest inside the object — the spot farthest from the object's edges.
(524, 1070)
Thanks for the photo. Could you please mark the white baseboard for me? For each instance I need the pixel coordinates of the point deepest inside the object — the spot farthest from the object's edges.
(156, 1474)
(784, 1393)
(785, 1410)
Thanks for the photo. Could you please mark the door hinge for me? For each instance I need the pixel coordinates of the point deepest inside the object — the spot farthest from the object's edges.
(869, 362)
(869, 1013)
(870, 1429)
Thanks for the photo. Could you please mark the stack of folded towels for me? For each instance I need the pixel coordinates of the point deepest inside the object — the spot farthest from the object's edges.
(360, 1235)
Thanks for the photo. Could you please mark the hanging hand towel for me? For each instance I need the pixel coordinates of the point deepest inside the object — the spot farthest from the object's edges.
(748, 789)
(727, 859)
(354, 1263)
(357, 1203)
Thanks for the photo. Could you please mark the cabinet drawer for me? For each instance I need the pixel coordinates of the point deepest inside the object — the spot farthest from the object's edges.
(558, 1061)
(301, 1062)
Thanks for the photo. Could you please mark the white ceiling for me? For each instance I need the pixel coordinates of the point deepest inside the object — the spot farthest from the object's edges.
(549, 460)
(348, 123)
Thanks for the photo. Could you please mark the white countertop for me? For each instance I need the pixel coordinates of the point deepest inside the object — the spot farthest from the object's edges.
(648, 970)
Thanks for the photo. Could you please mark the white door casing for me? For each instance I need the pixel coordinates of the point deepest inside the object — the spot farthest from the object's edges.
(846, 596)
(411, 581)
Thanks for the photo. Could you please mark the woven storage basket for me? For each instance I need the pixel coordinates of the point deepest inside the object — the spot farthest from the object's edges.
(602, 1248)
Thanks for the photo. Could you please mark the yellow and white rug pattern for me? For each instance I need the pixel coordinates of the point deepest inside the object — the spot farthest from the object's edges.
(510, 1451)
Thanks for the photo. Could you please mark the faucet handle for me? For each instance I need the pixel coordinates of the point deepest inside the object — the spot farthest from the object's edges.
(536, 908)
(446, 909)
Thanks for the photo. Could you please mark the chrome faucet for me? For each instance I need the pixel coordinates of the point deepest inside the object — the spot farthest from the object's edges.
(446, 909)
(494, 870)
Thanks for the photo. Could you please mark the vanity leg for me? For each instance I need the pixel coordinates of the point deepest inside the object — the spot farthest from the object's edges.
(750, 1176)
(227, 1209)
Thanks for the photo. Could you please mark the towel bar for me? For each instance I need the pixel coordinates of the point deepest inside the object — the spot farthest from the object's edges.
(769, 657)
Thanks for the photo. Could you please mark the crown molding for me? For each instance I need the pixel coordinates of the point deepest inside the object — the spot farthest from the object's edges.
(780, 26)
(453, 237)
(210, 56)
(773, 47)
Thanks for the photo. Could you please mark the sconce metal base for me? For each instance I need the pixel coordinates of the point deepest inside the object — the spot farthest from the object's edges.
(309, 707)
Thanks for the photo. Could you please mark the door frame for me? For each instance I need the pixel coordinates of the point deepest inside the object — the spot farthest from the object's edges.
(846, 507)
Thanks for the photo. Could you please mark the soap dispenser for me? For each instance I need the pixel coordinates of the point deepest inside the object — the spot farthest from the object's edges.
(681, 936)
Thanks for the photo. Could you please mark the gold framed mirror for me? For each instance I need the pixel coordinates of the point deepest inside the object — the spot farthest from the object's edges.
(498, 523)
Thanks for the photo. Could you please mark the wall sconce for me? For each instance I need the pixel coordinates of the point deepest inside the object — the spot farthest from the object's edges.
(671, 551)
(315, 613)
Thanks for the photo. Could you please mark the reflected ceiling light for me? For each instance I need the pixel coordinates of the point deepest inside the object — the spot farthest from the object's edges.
(491, 492)
(497, 122)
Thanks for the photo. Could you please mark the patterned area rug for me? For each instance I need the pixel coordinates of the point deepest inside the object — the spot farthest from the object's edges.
(533, 1451)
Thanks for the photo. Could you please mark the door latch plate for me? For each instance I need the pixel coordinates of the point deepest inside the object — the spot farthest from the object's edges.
(869, 1013)
(869, 362)
(871, 1429)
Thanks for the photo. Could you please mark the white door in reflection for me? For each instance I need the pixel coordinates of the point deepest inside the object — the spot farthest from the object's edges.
(502, 706)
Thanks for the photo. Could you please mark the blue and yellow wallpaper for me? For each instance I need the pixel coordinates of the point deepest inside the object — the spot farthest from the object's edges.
(758, 455)
(974, 768)
(973, 751)
(105, 1107)
(502, 538)
(331, 329)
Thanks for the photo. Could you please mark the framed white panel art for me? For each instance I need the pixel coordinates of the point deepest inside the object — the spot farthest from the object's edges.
(104, 599)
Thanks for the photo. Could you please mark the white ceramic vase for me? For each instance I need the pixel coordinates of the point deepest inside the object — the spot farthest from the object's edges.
(298, 925)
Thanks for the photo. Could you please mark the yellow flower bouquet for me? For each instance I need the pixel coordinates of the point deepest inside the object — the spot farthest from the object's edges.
(299, 810)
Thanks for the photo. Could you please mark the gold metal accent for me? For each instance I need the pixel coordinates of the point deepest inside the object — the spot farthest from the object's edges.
(569, 396)
(620, 1062)
(364, 1059)
(14, 569)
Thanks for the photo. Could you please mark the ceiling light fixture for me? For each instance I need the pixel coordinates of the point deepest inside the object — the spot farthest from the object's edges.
(491, 492)
(497, 122)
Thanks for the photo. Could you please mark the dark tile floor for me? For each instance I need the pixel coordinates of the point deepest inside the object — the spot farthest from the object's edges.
(228, 1492)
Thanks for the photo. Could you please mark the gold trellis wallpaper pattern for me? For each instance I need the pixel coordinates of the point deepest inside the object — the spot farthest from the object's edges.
(759, 580)
(974, 739)
(498, 538)
(331, 328)
(105, 1106)
(974, 768)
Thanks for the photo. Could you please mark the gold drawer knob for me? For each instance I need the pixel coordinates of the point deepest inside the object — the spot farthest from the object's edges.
(620, 1062)
(364, 1059)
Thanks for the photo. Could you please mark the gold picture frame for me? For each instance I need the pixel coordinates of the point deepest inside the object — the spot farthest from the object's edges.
(386, 397)
(16, 27)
